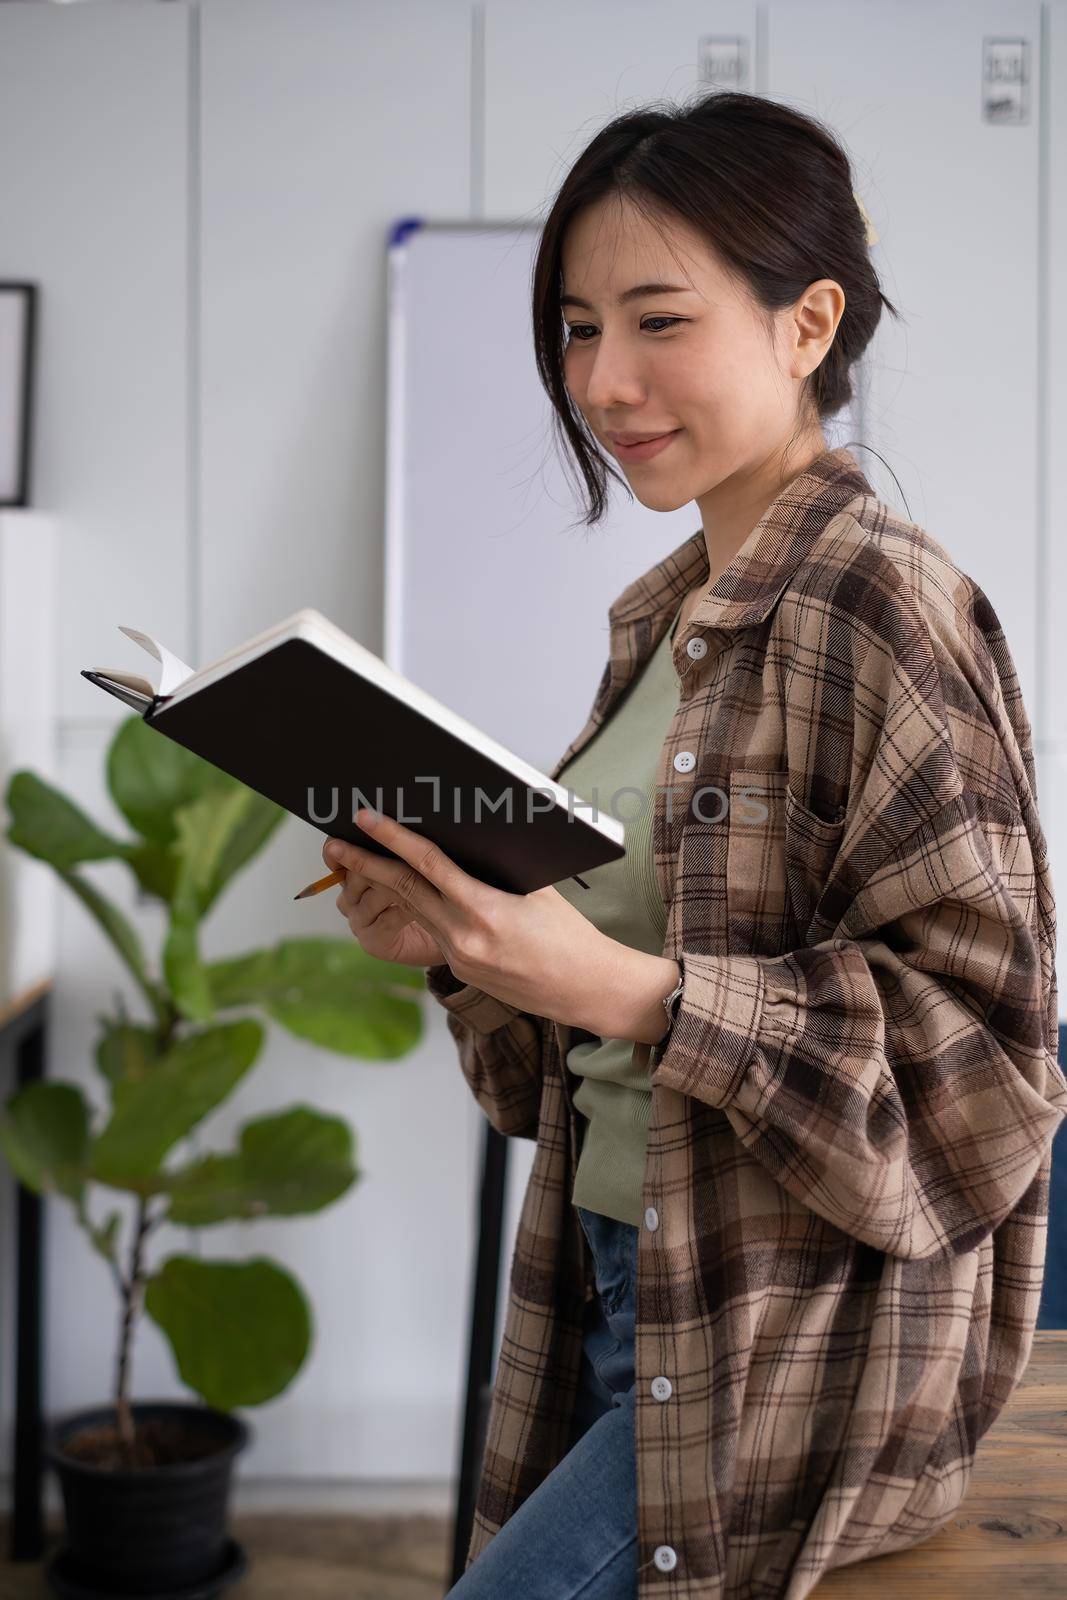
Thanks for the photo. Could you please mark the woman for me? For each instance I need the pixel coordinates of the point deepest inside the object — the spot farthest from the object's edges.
(776, 1276)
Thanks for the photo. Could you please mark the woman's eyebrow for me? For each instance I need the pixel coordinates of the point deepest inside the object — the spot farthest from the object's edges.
(638, 290)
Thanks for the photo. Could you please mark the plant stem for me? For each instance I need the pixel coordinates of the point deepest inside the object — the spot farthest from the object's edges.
(133, 1289)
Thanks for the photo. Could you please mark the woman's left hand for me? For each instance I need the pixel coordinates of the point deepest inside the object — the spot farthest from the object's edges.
(535, 951)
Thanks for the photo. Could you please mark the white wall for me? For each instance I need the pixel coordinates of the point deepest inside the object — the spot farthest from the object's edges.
(204, 194)
(205, 197)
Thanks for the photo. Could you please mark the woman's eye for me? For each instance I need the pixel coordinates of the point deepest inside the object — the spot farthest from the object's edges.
(574, 331)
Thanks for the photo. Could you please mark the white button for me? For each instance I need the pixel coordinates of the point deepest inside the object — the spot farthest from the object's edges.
(697, 648)
(661, 1388)
(665, 1558)
(684, 761)
(651, 1218)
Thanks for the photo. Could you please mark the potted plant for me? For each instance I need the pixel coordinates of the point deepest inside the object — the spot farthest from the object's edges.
(145, 1485)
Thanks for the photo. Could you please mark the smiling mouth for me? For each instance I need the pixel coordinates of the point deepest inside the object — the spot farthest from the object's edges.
(646, 448)
(645, 438)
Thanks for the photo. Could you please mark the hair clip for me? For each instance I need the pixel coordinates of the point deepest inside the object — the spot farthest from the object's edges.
(872, 237)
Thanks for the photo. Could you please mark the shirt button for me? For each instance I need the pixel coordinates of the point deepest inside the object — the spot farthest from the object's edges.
(661, 1388)
(651, 1218)
(684, 761)
(665, 1558)
(697, 648)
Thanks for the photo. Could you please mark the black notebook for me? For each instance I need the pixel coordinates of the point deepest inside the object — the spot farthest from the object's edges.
(322, 726)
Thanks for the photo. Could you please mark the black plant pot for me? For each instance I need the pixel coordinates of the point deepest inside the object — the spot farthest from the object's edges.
(159, 1530)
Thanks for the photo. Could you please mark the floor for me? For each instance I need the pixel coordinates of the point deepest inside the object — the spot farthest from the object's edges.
(1007, 1539)
(310, 1557)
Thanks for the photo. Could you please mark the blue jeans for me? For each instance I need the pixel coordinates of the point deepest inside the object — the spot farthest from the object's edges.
(576, 1535)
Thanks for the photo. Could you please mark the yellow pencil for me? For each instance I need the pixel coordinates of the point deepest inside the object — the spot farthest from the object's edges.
(322, 883)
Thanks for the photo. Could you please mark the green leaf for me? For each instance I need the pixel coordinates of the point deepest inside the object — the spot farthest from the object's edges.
(293, 1162)
(152, 1113)
(329, 991)
(156, 869)
(250, 833)
(238, 824)
(49, 826)
(205, 827)
(183, 969)
(117, 929)
(152, 777)
(239, 1331)
(186, 976)
(44, 1132)
(153, 780)
(127, 1051)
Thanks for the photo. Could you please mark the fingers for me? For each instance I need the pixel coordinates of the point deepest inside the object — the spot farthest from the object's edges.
(362, 903)
(356, 895)
(397, 878)
(431, 878)
(403, 882)
(333, 854)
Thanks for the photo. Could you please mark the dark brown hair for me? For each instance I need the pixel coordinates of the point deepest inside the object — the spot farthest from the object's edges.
(769, 187)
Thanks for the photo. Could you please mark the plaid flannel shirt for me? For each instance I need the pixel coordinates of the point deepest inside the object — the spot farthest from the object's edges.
(847, 1169)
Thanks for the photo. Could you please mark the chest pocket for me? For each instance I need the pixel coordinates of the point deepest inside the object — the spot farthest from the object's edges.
(758, 905)
(812, 844)
(779, 859)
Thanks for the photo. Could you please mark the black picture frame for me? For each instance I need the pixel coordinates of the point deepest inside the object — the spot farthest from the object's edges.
(18, 345)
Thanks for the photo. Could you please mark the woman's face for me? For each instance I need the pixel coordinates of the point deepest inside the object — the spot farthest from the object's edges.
(698, 359)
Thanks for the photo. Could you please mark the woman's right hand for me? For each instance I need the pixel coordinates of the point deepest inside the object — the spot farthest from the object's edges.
(382, 926)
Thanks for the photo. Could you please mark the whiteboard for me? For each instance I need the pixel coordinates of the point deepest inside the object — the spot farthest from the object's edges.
(496, 594)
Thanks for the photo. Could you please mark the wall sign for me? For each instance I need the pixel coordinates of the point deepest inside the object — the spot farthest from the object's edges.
(723, 60)
(1005, 80)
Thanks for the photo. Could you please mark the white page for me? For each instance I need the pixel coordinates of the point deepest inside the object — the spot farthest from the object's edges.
(174, 671)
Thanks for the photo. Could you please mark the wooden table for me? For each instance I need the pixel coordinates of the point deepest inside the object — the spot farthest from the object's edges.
(1008, 1539)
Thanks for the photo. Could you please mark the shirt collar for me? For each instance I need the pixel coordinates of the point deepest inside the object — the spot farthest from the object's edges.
(747, 590)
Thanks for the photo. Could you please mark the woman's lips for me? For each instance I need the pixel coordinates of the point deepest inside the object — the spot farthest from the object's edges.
(645, 451)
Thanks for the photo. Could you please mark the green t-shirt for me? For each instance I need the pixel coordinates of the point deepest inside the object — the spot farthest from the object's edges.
(617, 771)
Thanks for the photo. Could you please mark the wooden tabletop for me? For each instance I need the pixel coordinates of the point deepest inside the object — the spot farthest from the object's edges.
(1008, 1538)
(20, 1003)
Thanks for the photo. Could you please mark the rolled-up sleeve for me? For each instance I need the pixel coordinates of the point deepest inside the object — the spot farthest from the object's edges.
(899, 1078)
(500, 1052)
